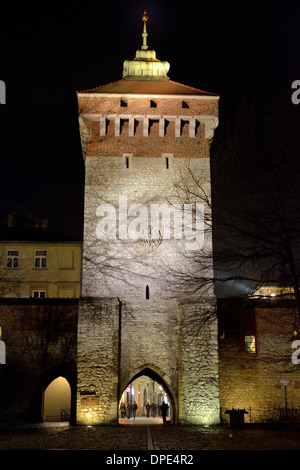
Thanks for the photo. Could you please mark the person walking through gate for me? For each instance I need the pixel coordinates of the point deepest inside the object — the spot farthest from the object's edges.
(134, 408)
(123, 410)
(164, 408)
(128, 409)
(148, 409)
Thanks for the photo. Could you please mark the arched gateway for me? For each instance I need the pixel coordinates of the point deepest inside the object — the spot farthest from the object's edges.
(151, 396)
(142, 137)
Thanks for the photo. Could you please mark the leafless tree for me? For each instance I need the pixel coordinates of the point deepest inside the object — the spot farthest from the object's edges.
(255, 219)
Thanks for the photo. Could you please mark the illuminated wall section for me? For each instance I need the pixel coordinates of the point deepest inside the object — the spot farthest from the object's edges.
(98, 361)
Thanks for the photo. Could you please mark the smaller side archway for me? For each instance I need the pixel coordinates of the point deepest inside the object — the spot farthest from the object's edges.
(36, 410)
(57, 400)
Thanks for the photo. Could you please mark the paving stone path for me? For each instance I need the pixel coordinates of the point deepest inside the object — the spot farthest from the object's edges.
(148, 437)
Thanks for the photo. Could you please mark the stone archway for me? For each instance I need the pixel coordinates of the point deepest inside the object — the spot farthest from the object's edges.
(57, 400)
(149, 372)
(36, 410)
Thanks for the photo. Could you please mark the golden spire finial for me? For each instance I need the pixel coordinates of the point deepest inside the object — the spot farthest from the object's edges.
(145, 17)
(145, 34)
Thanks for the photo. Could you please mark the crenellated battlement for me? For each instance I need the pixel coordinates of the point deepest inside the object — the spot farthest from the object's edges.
(132, 125)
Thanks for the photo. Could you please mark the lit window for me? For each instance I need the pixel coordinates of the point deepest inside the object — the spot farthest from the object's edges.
(250, 344)
(39, 294)
(12, 260)
(40, 260)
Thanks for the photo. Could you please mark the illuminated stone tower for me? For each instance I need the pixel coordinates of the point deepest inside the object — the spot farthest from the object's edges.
(145, 139)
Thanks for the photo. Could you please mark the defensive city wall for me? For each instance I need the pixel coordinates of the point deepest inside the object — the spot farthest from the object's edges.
(41, 344)
(154, 343)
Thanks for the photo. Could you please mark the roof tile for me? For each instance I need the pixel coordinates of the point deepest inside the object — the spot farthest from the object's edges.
(151, 87)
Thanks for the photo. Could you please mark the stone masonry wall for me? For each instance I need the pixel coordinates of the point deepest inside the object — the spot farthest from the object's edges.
(198, 366)
(124, 267)
(252, 380)
(117, 341)
(98, 361)
(40, 338)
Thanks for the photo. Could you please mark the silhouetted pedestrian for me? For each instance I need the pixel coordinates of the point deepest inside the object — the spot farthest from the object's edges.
(128, 410)
(164, 408)
(123, 410)
(134, 408)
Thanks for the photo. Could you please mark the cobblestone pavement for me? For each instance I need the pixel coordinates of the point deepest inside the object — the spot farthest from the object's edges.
(148, 437)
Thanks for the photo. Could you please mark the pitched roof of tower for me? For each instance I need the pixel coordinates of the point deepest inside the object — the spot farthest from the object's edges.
(149, 87)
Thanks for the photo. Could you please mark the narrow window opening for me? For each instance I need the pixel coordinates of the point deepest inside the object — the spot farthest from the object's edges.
(167, 161)
(124, 126)
(166, 126)
(185, 104)
(147, 293)
(153, 104)
(135, 126)
(153, 126)
(109, 127)
(127, 160)
(184, 127)
(123, 104)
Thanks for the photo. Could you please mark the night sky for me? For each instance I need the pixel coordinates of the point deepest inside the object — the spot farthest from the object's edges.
(50, 51)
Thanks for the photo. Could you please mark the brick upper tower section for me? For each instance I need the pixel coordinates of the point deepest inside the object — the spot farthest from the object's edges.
(146, 113)
(147, 118)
